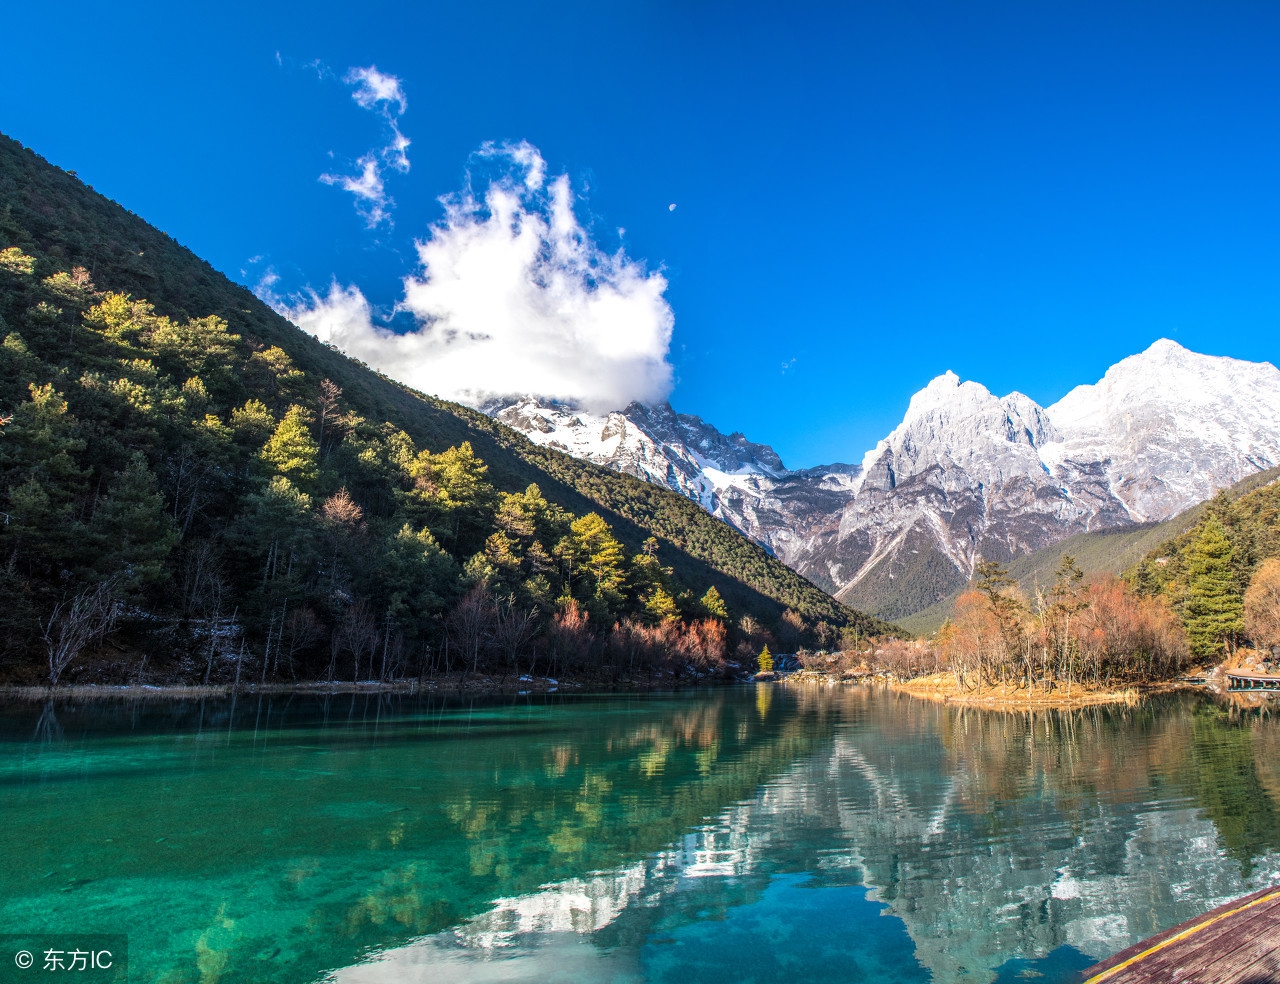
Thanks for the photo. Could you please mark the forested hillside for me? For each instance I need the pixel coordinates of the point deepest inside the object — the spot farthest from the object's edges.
(188, 477)
(1222, 573)
(1211, 586)
(1108, 551)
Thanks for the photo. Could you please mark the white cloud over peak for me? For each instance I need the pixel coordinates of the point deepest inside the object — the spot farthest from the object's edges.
(382, 94)
(513, 298)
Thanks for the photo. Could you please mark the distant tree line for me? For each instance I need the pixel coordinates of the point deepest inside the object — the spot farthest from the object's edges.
(1201, 595)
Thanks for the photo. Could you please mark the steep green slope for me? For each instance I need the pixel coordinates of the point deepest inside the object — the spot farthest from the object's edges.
(131, 425)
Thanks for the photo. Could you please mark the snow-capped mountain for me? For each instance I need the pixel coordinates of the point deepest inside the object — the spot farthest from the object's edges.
(1167, 421)
(657, 444)
(966, 473)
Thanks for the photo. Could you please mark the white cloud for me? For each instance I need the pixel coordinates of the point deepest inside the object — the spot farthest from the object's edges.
(513, 298)
(342, 317)
(376, 90)
(382, 94)
(371, 194)
(397, 151)
(523, 155)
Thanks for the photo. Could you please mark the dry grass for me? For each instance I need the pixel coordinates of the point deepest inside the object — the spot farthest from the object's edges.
(944, 688)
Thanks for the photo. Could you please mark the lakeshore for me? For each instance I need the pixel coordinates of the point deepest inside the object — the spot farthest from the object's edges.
(452, 684)
(943, 688)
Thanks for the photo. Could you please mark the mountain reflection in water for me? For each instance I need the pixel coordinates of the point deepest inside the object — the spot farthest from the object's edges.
(753, 834)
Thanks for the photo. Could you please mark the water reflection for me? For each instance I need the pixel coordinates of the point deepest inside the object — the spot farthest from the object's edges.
(1008, 846)
(745, 835)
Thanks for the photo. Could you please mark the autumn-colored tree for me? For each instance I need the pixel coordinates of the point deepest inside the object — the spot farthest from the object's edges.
(570, 637)
(1124, 636)
(1262, 604)
(791, 629)
(974, 644)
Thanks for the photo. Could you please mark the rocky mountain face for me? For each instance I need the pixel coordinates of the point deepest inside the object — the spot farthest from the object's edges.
(966, 475)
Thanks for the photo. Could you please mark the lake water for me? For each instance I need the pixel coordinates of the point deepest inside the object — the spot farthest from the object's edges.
(751, 834)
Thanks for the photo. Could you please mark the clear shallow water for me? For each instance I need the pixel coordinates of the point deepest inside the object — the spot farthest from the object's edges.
(746, 835)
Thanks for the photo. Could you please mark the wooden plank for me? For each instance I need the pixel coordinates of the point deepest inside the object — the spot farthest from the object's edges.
(1102, 967)
(1258, 961)
(1209, 948)
(1216, 944)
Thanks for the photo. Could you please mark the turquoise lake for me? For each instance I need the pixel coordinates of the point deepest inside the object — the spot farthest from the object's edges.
(748, 834)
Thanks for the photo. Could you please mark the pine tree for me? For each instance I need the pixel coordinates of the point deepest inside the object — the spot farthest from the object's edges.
(1214, 610)
(765, 660)
(132, 532)
(292, 449)
(713, 605)
(661, 607)
(599, 555)
(38, 464)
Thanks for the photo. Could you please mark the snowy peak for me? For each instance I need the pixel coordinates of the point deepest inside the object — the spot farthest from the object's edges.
(953, 426)
(1169, 376)
(1171, 426)
(732, 453)
(723, 474)
(652, 434)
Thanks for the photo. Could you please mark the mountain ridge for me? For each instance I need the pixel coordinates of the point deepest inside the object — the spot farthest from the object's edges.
(965, 474)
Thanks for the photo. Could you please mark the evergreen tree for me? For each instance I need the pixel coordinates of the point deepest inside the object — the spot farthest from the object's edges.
(599, 556)
(1214, 609)
(712, 605)
(660, 607)
(38, 465)
(291, 450)
(765, 660)
(416, 579)
(131, 533)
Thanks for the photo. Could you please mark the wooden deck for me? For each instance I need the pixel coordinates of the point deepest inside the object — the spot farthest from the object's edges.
(1240, 680)
(1237, 943)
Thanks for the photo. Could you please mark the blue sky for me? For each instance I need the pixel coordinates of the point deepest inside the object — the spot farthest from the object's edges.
(867, 193)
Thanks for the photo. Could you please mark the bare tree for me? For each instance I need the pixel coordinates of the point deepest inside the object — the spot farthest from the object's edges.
(571, 637)
(359, 631)
(301, 630)
(470, 623)
(75, 623)
(328, 403)
(513, 627)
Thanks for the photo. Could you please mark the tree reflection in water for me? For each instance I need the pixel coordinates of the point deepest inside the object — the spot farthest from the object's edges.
(735, 835)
